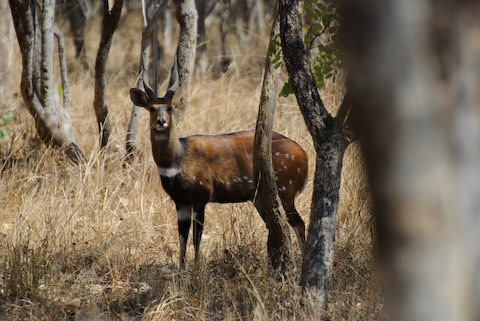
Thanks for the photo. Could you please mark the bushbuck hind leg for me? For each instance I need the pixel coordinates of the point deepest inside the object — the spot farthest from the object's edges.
(198, 219)
(297, 223)
(184, 213)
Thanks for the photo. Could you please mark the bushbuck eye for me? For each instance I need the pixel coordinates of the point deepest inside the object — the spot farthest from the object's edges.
(169, 109)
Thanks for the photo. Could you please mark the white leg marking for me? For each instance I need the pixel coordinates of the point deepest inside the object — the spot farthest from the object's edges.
(169, 172)
(184, 213)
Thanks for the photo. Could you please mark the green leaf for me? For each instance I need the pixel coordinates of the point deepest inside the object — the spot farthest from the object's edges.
(306, 27)
(320, 6)
(286, 90)
(317, 26)
(277, 65)
(308, 38)
(277, 58)
(3, 132)
(306, 5)
(202, 43)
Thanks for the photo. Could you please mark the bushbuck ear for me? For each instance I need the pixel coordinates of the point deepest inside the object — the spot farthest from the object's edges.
(138, 97)
(177, 94)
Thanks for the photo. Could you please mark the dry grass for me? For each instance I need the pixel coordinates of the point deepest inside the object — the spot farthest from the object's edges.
(100, 242)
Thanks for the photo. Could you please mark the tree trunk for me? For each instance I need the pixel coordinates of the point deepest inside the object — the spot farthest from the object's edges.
(414, 74)
(330, 143)
(38, 88)
(6, 47)
(187, 18)
(110, 22)
(200, 64)
(267, 201)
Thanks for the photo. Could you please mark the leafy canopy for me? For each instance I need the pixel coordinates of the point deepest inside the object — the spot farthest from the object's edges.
(321, 42)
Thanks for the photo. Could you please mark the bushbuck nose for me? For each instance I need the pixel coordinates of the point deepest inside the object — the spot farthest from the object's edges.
(161, 122)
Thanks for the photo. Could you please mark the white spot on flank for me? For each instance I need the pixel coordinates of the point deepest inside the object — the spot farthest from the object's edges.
(245, 177)
(221, 181)
(228, 183)
(250, 181)
(193, 177)
(201, 183)
(298, 170)
(287, 155)
(290, 182)
(234, 180)
(284, 188)
(277, 154)
(276, 178)
(169, 172)
(293, 157)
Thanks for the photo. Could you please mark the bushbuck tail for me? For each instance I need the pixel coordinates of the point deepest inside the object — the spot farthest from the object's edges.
(199, 169)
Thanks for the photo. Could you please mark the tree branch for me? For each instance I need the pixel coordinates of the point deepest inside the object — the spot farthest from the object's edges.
(63, 67)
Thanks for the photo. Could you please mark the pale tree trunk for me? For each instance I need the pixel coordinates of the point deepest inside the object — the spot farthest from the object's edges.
(110, 22)
(267, 201)
(414, 78)
(187, 18)
(52, 120)
(330, 141)
(6, 63)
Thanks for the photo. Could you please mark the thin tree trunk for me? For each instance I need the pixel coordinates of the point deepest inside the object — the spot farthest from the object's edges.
(267, 201)
(110, 22)
(330, 143)
(187, 18)
(6, 47)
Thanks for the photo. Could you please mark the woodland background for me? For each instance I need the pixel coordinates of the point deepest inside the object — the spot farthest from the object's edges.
(99, 241)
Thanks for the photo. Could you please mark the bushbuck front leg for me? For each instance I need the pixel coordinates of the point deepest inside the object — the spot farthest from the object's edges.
(184, 213)
(198, 219)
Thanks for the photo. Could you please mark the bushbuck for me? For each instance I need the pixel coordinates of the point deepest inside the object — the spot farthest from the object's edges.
(199, 169)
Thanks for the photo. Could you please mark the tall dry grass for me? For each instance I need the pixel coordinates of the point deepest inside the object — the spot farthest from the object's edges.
(100, 242)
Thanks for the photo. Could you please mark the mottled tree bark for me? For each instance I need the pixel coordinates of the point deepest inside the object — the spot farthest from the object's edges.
(110, 22)
(267, 201)
(330, 142)
(38, 88)
(187, 18)
(413, 78)
(6, 63)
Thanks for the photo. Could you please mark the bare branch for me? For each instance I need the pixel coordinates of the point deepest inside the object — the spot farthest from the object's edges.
(63, 67)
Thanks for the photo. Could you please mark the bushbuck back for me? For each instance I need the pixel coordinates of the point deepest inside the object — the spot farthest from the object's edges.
(199, 169)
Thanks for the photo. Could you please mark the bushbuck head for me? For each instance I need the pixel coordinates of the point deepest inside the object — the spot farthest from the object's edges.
(161, 109)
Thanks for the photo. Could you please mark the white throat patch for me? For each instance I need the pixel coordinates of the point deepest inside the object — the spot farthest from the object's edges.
(169, 172)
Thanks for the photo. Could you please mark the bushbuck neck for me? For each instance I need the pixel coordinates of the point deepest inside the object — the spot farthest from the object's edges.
(166, 147)
(199, 169)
